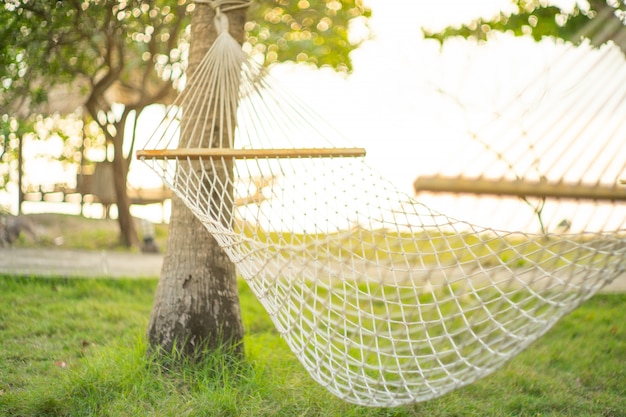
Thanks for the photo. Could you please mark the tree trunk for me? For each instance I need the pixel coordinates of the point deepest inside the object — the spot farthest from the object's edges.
(128, 232)
(197, 304)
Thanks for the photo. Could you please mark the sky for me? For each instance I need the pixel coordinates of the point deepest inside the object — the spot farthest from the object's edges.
(390, 92)
(391, 103)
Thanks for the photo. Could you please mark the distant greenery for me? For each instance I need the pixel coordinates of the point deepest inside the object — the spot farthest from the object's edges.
(595, 20)
(74, 347)
(77, 232)
(424, 248)
(433, 247)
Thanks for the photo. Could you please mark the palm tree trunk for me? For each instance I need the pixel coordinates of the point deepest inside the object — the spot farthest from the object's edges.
(197, 303)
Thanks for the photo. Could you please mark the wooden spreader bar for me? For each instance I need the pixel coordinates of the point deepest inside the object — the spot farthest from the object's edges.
(459, 185)
(212, 153)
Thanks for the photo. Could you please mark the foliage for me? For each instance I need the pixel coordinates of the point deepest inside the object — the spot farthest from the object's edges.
(140, 42)
(89, 44)
(71, 347)
(11, 132)
(64, 141)
(313, 31)
(539, 19)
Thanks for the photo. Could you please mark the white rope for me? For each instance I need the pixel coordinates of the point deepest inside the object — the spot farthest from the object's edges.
(384, 300)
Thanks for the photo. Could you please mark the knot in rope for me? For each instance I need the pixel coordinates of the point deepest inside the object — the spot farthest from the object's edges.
(221, 21)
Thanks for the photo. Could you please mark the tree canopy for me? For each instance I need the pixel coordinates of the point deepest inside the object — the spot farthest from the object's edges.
(135, 44)
(596, 20)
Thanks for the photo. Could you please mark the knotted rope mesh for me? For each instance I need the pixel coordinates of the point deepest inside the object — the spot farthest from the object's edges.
(384, 300)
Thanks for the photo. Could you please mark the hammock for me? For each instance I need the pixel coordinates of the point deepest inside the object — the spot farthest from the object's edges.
(384, 300)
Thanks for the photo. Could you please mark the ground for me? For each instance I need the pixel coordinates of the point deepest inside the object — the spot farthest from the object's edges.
(78, 232)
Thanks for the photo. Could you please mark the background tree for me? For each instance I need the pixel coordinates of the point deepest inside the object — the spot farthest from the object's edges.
(66, 140)
(197, 305)
(112, 58)
(115, 58)
(599, 21)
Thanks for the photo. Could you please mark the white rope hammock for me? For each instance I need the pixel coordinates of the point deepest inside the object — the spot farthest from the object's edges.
(383, 300)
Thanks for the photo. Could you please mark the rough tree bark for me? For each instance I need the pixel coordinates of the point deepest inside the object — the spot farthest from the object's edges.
(197, 303)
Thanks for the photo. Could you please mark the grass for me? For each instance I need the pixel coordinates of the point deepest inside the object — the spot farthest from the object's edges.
(425, 247)
(72, 347)
(77, 232)
(432, 247)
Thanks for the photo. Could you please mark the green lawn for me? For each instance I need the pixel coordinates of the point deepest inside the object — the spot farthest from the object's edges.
(72, 347)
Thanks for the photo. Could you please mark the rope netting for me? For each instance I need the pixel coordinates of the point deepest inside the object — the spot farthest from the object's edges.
(384, 300)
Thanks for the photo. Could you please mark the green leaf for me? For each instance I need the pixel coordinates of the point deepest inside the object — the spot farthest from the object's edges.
(539, 20)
